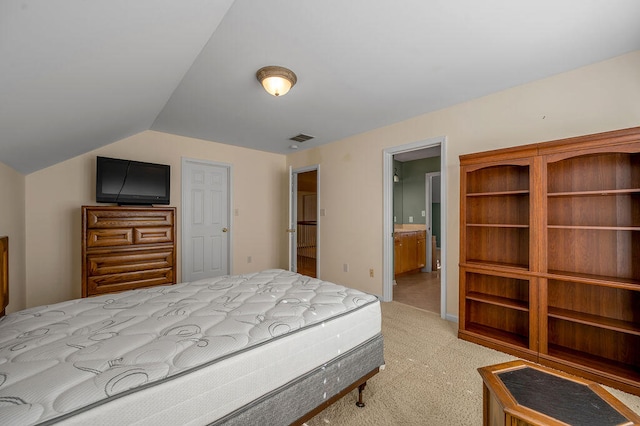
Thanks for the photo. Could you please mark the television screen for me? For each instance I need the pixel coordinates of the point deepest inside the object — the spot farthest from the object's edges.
(131, 182)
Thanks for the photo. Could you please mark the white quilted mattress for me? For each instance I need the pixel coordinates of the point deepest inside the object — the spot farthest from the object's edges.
(162, 355)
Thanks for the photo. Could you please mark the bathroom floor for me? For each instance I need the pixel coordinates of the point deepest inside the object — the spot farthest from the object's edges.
(421, 290)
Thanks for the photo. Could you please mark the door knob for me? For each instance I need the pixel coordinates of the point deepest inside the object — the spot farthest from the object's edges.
(224, 229)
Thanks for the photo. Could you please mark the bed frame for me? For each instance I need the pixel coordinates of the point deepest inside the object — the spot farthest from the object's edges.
(4, 274)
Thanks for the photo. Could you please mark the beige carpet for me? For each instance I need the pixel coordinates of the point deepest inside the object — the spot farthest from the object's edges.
(430, 376)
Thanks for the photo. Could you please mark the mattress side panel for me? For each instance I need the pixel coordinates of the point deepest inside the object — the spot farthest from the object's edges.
(223, 387)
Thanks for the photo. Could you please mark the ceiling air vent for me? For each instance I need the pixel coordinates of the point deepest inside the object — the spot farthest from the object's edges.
(301, 138)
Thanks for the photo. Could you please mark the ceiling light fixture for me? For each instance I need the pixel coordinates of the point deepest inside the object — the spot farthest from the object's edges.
(276, 80)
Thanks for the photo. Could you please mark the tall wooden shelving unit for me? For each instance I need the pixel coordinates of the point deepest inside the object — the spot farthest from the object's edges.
(550, 254)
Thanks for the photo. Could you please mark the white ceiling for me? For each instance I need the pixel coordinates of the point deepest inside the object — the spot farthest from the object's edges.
(76, 75)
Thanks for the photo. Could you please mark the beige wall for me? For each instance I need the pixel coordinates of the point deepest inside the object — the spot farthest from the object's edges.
(600, 97)
(12, 224)
(54, 196)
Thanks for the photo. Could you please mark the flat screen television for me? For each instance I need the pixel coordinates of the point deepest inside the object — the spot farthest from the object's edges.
(127, 182)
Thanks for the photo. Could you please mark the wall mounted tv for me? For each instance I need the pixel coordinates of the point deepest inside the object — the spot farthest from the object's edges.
(127, 182)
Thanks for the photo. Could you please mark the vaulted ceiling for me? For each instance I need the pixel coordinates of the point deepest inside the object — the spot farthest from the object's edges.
(76, 75)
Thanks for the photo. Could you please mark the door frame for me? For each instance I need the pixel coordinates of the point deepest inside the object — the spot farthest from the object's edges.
(428, 196)
(183, 222)
(293, 213)
(387, 223)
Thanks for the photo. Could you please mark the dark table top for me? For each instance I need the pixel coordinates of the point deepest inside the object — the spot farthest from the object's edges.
(570, 402)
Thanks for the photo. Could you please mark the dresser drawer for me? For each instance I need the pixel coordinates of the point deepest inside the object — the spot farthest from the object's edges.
(102, 284)
(129, 261)
(114, 237)
(124, 218)
(109, 237)
(153, 235)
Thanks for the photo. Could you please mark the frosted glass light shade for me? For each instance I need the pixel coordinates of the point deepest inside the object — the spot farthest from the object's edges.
(276, 80)
(276, 86)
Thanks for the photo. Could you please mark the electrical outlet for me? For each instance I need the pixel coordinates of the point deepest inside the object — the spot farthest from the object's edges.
(424, 213)
(371, 272)
(249, 260)
(410, 219)
(345, 267)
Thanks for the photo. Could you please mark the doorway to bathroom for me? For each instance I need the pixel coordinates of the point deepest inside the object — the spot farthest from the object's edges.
(415, 213)
(417, 229)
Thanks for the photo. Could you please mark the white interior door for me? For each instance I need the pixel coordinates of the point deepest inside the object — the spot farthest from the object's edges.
(432, 195)
(293, 219)
(205, 219)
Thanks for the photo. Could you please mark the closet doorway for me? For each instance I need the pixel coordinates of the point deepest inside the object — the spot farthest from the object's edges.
(206, 219)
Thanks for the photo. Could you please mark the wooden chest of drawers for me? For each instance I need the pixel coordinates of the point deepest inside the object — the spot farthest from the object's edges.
(124, 248)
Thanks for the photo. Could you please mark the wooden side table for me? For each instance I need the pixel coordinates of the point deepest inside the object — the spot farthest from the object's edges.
(520, 393)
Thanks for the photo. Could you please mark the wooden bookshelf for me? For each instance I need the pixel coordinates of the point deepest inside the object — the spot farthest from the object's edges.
(550, 250)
